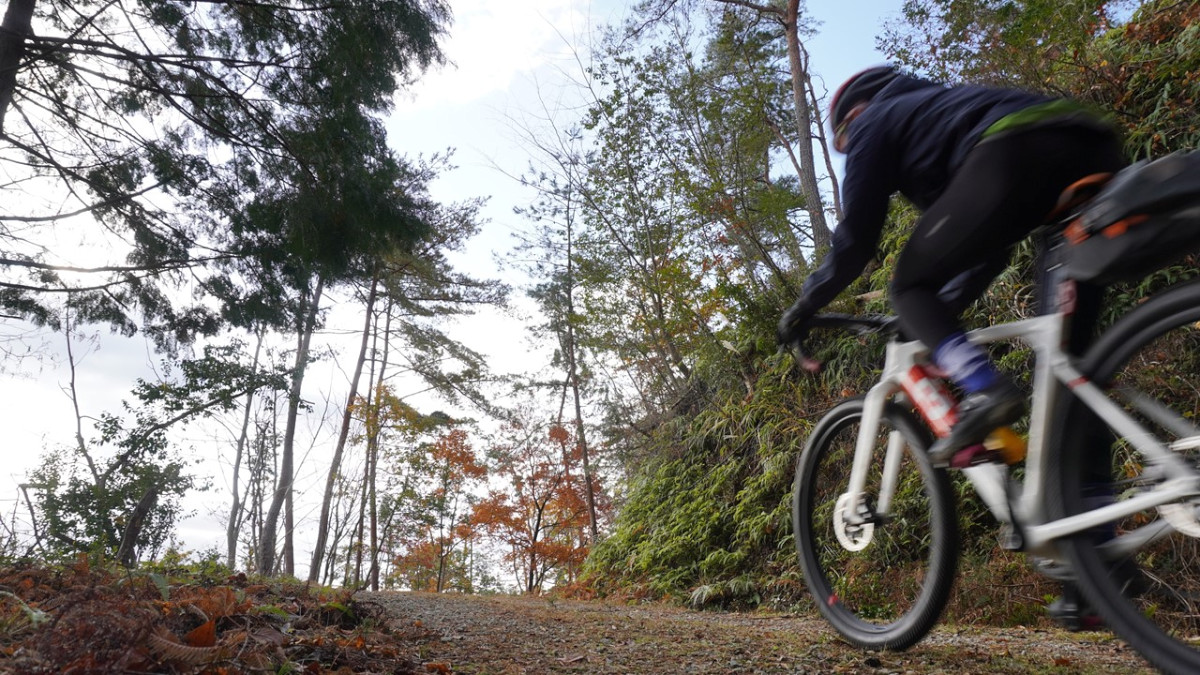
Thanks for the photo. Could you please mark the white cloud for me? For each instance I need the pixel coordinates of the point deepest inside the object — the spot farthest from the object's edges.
(492, 43)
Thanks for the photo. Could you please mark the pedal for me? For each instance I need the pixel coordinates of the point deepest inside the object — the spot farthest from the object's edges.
(1072, 613)
(1074, 617)
(1054, 569)
(1010, 538)
(973, 455)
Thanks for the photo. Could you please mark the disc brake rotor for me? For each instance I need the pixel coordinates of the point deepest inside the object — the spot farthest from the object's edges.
(852, 536)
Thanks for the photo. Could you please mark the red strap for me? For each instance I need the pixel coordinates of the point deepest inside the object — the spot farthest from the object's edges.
(1121, 226)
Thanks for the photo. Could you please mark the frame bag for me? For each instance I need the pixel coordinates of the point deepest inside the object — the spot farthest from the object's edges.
(1146, 217)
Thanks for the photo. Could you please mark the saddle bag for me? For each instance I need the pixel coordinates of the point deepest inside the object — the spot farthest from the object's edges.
(1146, 217)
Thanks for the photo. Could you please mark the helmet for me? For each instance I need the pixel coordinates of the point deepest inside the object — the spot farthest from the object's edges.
(860, 88)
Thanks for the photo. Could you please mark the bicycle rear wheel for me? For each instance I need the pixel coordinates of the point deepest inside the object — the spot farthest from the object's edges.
(882, 585)
(1150, 598)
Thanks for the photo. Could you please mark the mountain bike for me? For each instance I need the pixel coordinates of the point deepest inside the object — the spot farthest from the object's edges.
(875, 521)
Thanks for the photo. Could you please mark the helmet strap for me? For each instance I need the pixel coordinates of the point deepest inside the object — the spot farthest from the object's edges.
(841, 135)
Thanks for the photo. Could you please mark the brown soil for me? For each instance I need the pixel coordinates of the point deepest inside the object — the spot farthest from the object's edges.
(503, 634)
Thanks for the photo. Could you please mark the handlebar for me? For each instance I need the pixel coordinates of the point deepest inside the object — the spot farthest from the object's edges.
(865, 324)
(861, 324)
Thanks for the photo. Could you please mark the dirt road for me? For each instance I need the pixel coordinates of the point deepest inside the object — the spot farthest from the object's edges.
(503, 635)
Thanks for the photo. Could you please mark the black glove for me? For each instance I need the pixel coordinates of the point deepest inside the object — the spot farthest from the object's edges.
(793, 325)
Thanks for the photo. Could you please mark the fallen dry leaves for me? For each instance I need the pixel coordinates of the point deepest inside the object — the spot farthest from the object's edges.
(79, 619)
(76, 619)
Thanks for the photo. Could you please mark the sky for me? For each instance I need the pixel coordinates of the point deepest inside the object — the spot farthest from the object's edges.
(495, 82)
(503, 56)
(494, 79)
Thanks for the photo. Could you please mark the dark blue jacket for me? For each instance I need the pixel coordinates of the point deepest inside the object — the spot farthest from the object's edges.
(910, 139)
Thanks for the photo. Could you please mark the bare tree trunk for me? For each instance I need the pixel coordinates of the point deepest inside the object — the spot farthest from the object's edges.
(260, 464)
(581, 441)
(335, 465)
(386, 534)
(236, 511)
(347, 581)
(360, 535)
(373, 456)
(789, 17)
(373, 515)
(283, 488)
(17, 26)
(823, 142)
(440, 584)
(126, 553)
(254, 492)
(808, 176)
(337, 532)
(80, 445)
(571, 352)
(330, 563)
(33, 522)
(289, 528)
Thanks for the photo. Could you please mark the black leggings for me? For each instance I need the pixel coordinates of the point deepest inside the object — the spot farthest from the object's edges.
(1003, 191)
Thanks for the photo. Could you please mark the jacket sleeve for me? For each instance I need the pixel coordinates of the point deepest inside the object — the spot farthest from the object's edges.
(866, 191)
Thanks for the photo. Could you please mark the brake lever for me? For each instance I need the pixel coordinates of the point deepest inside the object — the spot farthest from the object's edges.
(809, 364)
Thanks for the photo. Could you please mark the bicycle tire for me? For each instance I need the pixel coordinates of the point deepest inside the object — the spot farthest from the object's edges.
(1151, 598)
(889, 595)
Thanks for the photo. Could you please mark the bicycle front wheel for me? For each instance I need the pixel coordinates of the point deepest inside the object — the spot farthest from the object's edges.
(1149, 362)
(881, 579)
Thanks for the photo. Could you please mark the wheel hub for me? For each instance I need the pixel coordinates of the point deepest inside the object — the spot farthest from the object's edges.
(1183, 517)
(852, 525)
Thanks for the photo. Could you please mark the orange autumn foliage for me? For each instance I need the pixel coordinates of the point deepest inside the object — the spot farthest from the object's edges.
(433, 551)
(541, 516)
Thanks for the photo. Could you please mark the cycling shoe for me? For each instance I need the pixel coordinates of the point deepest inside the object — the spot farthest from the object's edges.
(1072, 612)
(978, 414)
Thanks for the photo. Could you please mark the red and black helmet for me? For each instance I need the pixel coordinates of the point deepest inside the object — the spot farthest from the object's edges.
(860, 88)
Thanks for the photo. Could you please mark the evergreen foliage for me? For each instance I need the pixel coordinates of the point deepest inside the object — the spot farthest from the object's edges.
(706, 517)
(232, 148)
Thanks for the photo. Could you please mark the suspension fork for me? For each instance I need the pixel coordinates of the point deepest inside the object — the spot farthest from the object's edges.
(864, 450)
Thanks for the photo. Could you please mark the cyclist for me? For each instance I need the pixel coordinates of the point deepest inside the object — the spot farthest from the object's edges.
(985, 166)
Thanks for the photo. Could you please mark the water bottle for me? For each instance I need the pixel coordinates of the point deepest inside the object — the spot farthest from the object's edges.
(935, 403)
(932, 399)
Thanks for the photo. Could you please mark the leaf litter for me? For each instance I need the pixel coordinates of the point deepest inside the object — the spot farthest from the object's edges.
(82, 619)
(79, 619)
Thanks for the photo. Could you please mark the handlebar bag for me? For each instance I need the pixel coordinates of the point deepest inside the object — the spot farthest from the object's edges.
(1146, 217)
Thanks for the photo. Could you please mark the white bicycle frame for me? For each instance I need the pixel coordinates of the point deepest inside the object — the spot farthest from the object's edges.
(1024, 503)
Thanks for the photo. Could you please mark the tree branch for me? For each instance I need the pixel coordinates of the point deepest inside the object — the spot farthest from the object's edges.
(159, 267)
(108, 203)
(77, 289)
(765, 9)
(134, 441)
